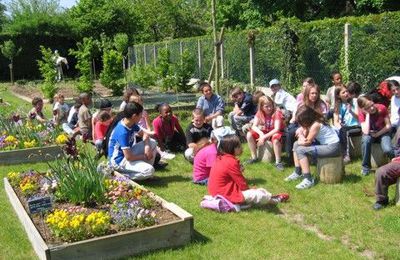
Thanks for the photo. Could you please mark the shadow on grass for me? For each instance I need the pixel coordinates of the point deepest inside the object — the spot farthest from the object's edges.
(163, 181)
(197, 238)
(351, 178)
(254, 181)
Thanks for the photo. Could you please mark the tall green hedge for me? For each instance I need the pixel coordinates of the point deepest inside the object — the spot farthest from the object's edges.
(291, 50)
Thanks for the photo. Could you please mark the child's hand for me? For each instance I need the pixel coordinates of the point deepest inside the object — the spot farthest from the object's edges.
(148, 153)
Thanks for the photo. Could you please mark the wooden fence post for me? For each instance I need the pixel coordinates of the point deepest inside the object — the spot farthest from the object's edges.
(199, 56)
(181, 51)
(144, 54)
(347, 37)
(251, 52)
(155, 55)
(222, 59)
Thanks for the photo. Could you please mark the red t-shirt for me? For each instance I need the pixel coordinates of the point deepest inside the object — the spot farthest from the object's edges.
(165, 129)
(226, 179)
(269, 121)
(100, 129)
(377, 120)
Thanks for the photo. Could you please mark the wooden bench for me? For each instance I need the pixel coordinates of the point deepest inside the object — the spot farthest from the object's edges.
(330, 169)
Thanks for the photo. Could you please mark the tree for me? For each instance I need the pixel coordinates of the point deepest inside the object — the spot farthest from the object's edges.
(10, 51)
(121, 43)
(49, 73)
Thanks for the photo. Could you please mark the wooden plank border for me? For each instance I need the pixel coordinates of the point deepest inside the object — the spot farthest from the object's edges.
(30, 155)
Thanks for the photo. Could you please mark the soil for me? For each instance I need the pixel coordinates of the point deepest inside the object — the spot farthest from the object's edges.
(163, 216)
(68, 89)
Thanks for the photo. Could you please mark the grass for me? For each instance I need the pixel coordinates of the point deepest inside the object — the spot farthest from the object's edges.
(327, 221)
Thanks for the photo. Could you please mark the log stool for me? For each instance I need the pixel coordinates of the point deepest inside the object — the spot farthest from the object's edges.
(330, 169)
(378, 158)
(266, 152)
(397, 197)
(355, 146)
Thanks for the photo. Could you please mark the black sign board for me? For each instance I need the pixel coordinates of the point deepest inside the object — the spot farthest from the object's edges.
(37, 205)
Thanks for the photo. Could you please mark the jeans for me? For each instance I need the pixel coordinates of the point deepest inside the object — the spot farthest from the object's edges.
(366, 143)
(237, 122)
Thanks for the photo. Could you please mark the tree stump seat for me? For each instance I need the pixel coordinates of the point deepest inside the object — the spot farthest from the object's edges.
(330, 169)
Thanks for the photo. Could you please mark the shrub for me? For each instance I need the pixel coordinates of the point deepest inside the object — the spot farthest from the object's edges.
(112, 71)
(143, 76)
(49, 74)
(184, 70)
(84, 55)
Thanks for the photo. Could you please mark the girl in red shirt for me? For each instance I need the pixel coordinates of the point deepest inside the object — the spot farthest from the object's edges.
(226, 177)
(268, 125)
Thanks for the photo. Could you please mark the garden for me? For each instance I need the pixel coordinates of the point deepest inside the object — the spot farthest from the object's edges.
(328, 221)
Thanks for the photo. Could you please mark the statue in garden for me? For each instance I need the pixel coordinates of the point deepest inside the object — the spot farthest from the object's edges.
(58, 63)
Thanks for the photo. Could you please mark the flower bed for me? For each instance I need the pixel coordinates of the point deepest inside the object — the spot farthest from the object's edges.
(74, 212)
(30, 142)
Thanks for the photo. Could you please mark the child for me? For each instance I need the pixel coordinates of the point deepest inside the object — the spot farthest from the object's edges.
(268, 125)
(133, 158)
(336, 79)
(283, 99)
(394, 104)
(127, 94)
(71, 126)
(36, 112)
(60, 110)
(306, 82)
(227, 180)
(212, 104)
(345, 119)
(329, 146)
(205, 157)
(354, 89)
(243, 111)
(105, 105)
(85, 117)
(168, 131)
(196, 131)
(100, 128)
(376, 127)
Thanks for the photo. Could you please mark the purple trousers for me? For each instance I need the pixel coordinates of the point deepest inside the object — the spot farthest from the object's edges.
(384, 177)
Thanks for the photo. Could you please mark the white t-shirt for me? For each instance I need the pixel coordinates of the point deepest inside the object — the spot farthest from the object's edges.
(396, 78)
(394, 110)
(284, 99)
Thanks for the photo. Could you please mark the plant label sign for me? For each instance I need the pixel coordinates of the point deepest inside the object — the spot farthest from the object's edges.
(37, 205)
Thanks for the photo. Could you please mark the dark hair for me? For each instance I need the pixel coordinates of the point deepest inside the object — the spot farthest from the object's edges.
(131, 109)
(105, 103)
(354, 88)
(228, 144)
(36, 100)
(203, 85)
(334, 73)
(306, 97)
(362, 101)
(104, 116)
(309, 80)
(236, 91)
(107, 136)
(78, 103)
(306, 116)
(128, 92)
(338, 100)
(393, 83)
(256, 96)
(159, 107)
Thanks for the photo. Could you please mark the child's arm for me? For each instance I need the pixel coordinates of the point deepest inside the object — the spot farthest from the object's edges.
(147, 120)
(365, 127)
(178, 127)
(385, 129)
(237, 176)
(158, 135)
(312, 133)
(336, 121)
(255, 127)
(277, 126)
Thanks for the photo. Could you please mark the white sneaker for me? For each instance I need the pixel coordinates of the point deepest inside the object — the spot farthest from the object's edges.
(292, 177)
(305, 184)
(167, 156)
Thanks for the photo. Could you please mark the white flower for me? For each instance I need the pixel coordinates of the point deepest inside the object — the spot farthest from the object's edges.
(54, 184)
(45, 187)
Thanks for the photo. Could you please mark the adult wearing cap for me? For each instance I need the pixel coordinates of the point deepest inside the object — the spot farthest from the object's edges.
(212, 104)
(105, 105)
(282, 98)
(206, 156)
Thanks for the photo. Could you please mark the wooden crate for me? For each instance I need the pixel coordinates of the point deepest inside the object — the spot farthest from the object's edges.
(174, 234)
(30, 155)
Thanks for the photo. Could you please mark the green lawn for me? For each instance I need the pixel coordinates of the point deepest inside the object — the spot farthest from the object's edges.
(327, 221)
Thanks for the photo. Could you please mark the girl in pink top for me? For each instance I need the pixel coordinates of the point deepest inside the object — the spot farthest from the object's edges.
(168, 132)
(268, 125)
(101, 127)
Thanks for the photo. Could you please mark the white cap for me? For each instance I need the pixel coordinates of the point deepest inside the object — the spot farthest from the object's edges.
(221, 132)
(274, 82)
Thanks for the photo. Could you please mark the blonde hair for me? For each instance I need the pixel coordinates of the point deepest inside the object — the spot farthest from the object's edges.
(261, 102)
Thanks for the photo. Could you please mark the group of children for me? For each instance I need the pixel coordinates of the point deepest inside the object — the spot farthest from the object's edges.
(302, 123)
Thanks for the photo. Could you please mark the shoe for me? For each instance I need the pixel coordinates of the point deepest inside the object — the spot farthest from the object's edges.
(279, 166)
(305, 184)
(282, 197)
(346, 159)
(292, 177)
(379, 205)
(251, 161)
(167, 155)
(160, 165)
(365, 171)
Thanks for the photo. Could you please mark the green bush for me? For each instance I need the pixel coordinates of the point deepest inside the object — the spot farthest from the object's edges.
(83, 55)
(112, 71)
(184, 71)
(49, 73)
(143, 76)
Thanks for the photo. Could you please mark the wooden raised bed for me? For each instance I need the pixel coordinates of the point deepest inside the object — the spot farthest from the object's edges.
(30, 155)
(173, 234)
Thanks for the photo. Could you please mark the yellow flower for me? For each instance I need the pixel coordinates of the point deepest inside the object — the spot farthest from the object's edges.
(10, 139)
(30, 144)
(61, 139)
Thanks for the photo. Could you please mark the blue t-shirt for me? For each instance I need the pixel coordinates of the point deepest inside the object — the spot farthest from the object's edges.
(215, 104)
(122, 137)
(346, 117)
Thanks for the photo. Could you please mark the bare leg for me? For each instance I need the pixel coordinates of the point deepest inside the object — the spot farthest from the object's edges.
(252, 145)
(277, 150)
(305, 165)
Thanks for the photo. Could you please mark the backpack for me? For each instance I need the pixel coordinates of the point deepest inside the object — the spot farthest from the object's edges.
(219, 204)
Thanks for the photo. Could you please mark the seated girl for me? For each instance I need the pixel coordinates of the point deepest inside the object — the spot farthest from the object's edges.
(315, 128)
(227, 180)
(100, 129)
(168, 132)
(268, 125)
(204, 157)
(124, 153)
(345, 119)
(36, 112)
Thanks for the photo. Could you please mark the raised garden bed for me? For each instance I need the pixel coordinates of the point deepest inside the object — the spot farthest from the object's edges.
(177, 232)
(30, 155)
